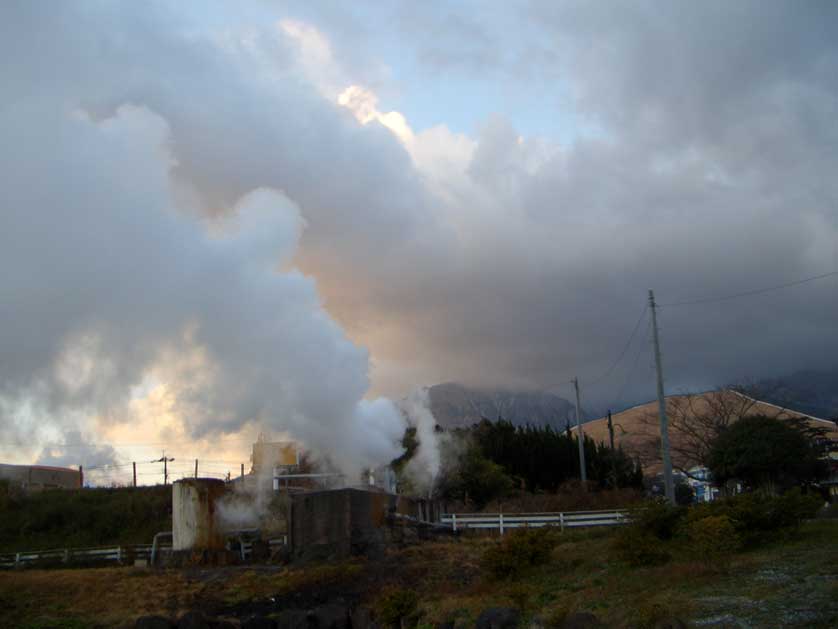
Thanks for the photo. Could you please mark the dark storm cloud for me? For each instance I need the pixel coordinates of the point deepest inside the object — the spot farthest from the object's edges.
(710, 172)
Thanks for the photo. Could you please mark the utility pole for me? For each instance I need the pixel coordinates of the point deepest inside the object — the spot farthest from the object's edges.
(135, 474)
(667, 461)
(165, 461)
(196, 468)
(613, 454)
(581, 436)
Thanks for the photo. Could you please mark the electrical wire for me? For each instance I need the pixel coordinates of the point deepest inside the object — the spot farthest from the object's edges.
(633, 369)
(622, 354)
(757, 291)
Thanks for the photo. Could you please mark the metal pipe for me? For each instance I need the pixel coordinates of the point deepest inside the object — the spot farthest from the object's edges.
(154, 544)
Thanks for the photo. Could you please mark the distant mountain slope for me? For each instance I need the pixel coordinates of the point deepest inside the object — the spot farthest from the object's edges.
(637, 432)
(456, 406)
(811, 392)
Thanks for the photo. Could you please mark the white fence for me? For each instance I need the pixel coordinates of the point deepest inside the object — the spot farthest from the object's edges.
(112, 554)
(115, 554)
(503, 521)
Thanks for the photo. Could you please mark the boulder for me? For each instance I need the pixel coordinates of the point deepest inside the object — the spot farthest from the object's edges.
(499, 618)
(153, 622)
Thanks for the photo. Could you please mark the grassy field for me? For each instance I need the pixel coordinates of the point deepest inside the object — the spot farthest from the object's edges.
(787, 584)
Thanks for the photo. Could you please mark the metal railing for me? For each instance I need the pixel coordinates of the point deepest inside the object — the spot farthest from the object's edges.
(109, 554)
(118, 554)
(503, 521)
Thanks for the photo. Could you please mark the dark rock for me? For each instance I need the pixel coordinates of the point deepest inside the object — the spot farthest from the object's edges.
(193, 620)
(292, 619)
(331, 617)
(499, 618)
(153, 622)
(259, 622)
(582, 620)
(670, 623)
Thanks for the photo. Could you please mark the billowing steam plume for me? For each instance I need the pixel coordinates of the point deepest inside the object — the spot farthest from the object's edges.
(145, 241)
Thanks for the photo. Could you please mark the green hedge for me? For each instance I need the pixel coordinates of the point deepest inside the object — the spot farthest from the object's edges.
(63, 518)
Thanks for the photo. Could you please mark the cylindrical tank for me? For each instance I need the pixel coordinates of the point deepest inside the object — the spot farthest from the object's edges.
(193, 514)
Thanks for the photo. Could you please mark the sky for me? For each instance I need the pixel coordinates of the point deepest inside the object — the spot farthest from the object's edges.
(219, 219)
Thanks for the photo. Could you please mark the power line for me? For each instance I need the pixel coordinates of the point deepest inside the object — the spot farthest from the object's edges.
(623, 353)
(757, 291)
(633, 369)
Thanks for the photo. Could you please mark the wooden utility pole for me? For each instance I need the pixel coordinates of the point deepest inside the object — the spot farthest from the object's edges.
(165, 461)
(610, 430)
(135, 474)
(196, 468)
(669, 486)
(583, 473)
(81, 477)
(242, 471)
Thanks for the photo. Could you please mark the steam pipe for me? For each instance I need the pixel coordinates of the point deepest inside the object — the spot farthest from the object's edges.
(154, 544)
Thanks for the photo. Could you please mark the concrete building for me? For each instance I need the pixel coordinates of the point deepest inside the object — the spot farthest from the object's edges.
(39, 477)
(349, 522)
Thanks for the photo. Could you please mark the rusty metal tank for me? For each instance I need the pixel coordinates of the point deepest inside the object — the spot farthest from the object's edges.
(194, 525)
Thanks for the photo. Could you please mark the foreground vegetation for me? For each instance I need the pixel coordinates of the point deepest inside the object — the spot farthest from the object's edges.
(61, 518)
(785, 580)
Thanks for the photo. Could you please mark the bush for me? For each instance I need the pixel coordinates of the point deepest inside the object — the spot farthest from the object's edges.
(517, 551)
(713, 539)
(658, 518)
(757, 517)
(397, 607)
(639, 548)
(797, 506)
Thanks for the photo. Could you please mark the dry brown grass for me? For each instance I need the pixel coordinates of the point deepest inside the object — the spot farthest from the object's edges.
(580, 576)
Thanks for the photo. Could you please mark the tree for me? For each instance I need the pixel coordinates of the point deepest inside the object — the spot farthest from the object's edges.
(474, 479)
(697, 419)
(765, 452)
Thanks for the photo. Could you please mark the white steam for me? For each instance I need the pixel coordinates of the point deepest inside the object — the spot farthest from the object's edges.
(145, 243)
(423, 469)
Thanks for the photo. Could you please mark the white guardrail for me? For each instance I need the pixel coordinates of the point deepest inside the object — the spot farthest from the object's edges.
(563, 520)
(117, 554)
(113, 554)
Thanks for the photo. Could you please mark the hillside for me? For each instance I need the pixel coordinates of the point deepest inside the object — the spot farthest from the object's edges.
(810, 391)
(636, 429)
(457, 406)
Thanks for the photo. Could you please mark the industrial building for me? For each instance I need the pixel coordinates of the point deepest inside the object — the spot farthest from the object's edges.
(39, 477)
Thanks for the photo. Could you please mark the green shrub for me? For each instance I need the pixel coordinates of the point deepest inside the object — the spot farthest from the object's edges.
(397, 607)
(658, 518)
(517, 551)
(713, 539)
(759, 518)
(797, 506)
(638, 548)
